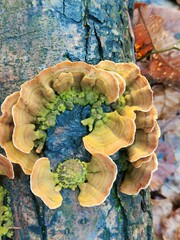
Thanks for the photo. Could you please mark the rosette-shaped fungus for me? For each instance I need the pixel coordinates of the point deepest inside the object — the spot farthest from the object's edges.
(122, 116)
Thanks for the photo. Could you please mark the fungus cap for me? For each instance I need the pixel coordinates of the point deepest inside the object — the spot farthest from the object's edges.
(140, 161)
(139, 94)
(6, 120)
(26, 161)
(101, 175)
(146, 120)
(23, 137)
(6, 167)
(63, 82)
(129, 71)
(104, 82)
(20, 114)
(137, 179)
(43, 184)
(111, 134)
(144, 144)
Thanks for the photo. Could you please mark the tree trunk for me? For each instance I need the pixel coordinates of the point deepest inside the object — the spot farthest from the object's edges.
(40, 33)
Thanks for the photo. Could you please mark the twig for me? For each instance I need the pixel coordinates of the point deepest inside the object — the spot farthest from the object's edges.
(174, 47)
(14, 228)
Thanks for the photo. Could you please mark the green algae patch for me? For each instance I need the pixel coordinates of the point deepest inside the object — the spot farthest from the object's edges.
(6, 218)
(70, 174)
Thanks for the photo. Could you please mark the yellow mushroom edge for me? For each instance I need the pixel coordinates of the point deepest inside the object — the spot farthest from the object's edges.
(6, 167)
(43, 185)
(102, 172)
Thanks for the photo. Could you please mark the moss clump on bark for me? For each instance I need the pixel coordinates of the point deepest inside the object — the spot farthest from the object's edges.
(6, 218)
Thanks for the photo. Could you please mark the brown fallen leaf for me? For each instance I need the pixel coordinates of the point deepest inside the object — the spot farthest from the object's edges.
(170, 126)
(166, 101)
(162, 26)
(161, 208)
(166, 165)
(170, 130)
(143, 43)
(171, 226)
(171, 189)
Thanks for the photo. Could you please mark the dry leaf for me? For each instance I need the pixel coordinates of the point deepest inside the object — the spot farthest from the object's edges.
(161, 208)
(171, 226)
(143, 43)
(166, 222)
(162, 26)
(156, 237)
(171, 189)
(170, 126)
(170, 130)
(166, 165)
(166, 101)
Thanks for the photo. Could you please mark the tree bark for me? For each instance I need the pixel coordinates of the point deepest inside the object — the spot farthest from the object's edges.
(40, 33)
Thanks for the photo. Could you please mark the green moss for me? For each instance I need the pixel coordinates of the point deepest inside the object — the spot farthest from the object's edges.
(88, 122)
(119, 104)
(42, 114)
(40, 134)
(6, 219)
(70, 174)
(61, 107)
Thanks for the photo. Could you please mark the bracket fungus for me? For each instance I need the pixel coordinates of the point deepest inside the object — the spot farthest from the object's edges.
(122, 117)
(119, 131)
(101, 174)
(136, 177)
(26, 161)
(43, 184)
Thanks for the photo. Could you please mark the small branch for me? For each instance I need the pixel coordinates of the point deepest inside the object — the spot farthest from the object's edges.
(174, 47)
(14, 228)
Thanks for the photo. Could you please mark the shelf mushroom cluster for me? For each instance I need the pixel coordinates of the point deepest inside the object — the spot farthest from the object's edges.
(130, 125)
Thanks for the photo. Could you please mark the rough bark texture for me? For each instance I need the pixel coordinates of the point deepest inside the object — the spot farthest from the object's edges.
(39, 33)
